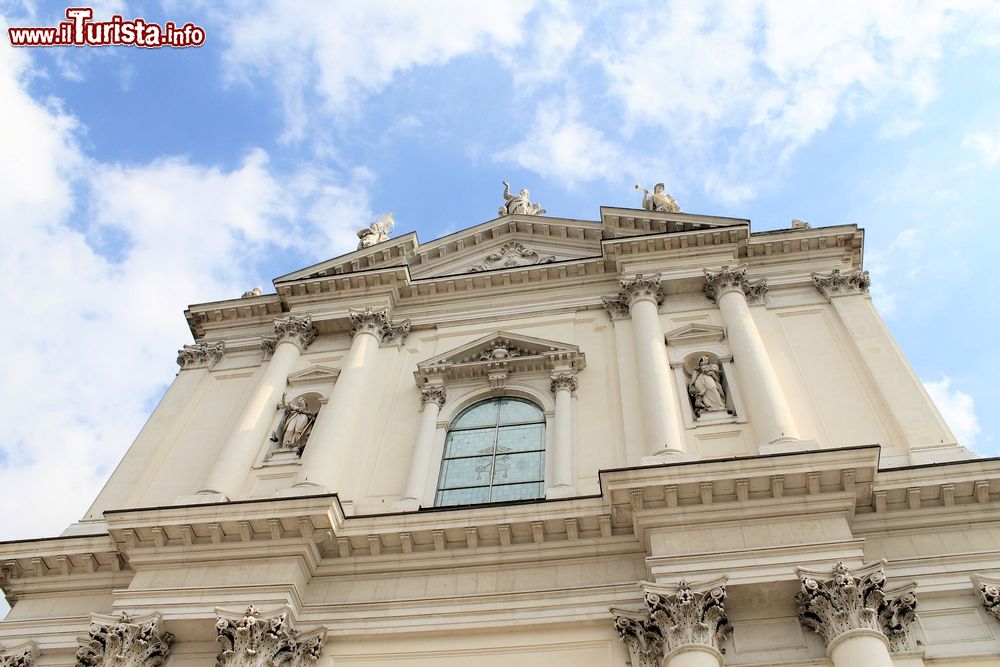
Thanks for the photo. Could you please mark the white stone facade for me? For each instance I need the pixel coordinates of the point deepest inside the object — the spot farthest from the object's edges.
(739, 468)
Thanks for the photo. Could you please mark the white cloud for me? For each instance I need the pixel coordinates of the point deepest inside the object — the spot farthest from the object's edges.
(986, 144)
(957, 408)
(898, 128)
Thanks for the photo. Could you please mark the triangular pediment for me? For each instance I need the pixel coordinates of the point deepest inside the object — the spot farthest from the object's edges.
(314, 375)
(695, 332)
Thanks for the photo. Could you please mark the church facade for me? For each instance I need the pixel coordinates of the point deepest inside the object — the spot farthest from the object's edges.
(656, 438)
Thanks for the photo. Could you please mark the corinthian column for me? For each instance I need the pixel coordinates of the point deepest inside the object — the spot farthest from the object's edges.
(293, 334)
(658, 395)
(769, 412)
(432, 399)
(336, 443)
(854, 616)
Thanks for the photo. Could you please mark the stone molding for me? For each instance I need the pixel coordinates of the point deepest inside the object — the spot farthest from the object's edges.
(378, 323)
(253, 640)
(989, 593)
(686, 617)
(297, 329)
(22, 655)
(124, 642)
(641, 637)
(563, 380)
(433, 394)
(842, 284)
(200, 355)
(848, 601)
(727, 280)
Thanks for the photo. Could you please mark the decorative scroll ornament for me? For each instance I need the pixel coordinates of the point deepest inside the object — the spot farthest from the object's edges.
(297, 329)
(641, 637)
(124, 642)
(519, 203)
(253, 641)
(433, 394)
(200, 355)
(378, 323)
(833, 607)
(726, 280)
(990, 593)
(842, 284)
(632, 290)
(563, 380)
(511, 254)
(23, 655)
(688, 617)
(498, 351)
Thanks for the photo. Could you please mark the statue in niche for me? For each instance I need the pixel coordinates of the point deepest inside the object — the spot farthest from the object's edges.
(294, 426)
(705, 387)
(376, 232)
(519, 203)
(658, 199)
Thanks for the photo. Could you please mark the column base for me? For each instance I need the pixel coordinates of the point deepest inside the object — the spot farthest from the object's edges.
(563, 491)
(783, 446)
(667, 456)
(202, 498)
(406, 505)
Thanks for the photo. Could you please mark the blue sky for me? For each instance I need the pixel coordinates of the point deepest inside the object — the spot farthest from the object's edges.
(134, 182)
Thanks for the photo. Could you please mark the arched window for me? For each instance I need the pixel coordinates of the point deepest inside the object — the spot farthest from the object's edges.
(495, 451)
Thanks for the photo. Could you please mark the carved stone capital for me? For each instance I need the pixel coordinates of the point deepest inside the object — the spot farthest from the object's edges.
(200, 355)
(297, 329)
(726, 280)
(563, 380)
(856, 601)
(267, 345)
(256, 641)
(378, 323)
(641, 637)
(616, 306)
(689, 617)
(124, 642)
(641, 287)
(23, 655)
(433, 394)
(989, 592)
(842, 284)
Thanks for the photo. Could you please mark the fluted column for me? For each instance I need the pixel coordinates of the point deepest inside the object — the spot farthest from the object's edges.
(658, 394)
(432, 398)
(855, 617)
(563, 386)
(293, 334)
(769, 412)
(336, 444)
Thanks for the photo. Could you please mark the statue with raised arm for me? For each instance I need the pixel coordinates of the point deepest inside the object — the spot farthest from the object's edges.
(519, 203)
(658, 199)
(294, 426)
(376, 232)
(705, 387)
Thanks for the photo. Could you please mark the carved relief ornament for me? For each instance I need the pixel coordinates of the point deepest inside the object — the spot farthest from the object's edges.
(252, 641)
(200, 355)
(511, 254)
(633, 290)
(124, 642)
(641, 637)
(842, 284)
(23, 655)
(688, 617)
(727, 280)
(989, 592)
(855, 601)
(378, 323)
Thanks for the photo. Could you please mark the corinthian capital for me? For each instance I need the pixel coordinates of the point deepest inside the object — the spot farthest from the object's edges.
(23, 655)
(633, 290)
(989, 592)
(690, 617)
(730, 280)
(253, 641)
(842, 284)
(641, 637)
(855, 601)
(433, 394)
(124, 642)
(297, 329)
(378, 323)
(200, 355)
(563, 380)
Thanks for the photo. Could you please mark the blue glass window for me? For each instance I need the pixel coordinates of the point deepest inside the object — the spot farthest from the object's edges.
(494, 451)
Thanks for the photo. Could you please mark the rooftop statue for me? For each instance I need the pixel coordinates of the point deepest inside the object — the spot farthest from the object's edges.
(658, 200)
(376, 232)
(519, 203)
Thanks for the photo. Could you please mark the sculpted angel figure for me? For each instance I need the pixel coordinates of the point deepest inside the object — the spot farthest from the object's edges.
(376, 232)
(294, 426)
(705, 387)
(658, 199)
(519, 203)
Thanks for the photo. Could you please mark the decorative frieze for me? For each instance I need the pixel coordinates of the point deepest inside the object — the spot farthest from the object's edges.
(256, 641)
(563, 380)
(23, 655)
(297, 329)
(842, 284)
(727, 280)
(433, 394)
(641, 637)
(378, 323)
(200, 355)
(689, 617)
(124, 642)
(855, 601)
